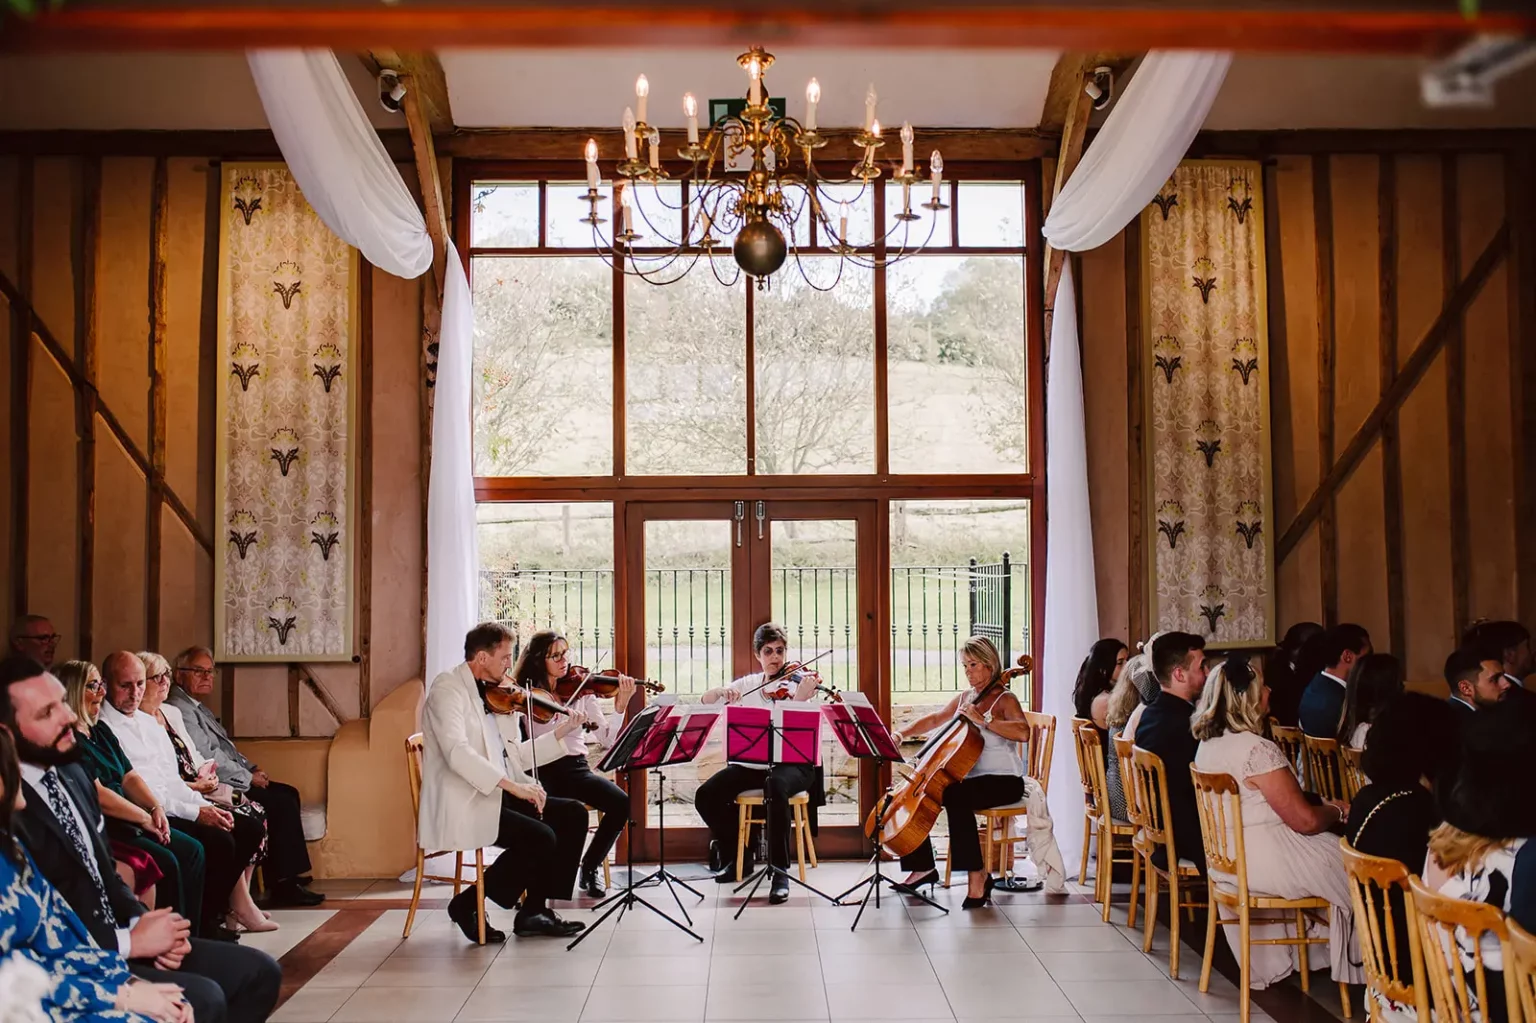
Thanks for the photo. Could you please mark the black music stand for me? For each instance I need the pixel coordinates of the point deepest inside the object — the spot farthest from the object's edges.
(771, 744)
(621, 757)
(864, 736)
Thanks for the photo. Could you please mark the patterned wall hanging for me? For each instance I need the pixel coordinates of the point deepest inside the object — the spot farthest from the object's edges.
(1207, 373)
(286, 406)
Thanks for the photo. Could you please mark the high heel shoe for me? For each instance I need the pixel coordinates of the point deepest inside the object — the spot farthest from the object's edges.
(930, 879)
(985, 899)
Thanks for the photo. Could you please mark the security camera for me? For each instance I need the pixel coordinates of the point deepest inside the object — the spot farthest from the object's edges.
(391, 91)
(1100, 87)
(1466, 78)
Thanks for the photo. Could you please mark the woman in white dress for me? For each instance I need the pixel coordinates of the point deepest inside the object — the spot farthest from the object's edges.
(1290, 852)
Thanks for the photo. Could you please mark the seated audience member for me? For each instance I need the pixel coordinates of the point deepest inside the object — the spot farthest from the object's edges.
(84, 982)
(1477, 681)
(201, 776)
(1097, 676)
(33, 636)
(134, 816)
(1322, 702)
(1409, 749)
(1375, 681)
(1290, 852)
(1484, 851)
(229, 842)
(1125, 700)
(287, 865)
(1509, 643)
(61, 826)
(1178, 662)
(1287, 675)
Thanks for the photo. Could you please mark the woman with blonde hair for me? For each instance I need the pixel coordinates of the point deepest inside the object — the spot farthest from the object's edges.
(1290, 852)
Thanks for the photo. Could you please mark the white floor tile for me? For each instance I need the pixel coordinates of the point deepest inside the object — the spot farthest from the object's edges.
(312, 1004)
(662, 1002)
(402, 1005)
(1146, 997)
(887, 1001)
(531, 1005)
(767, 1001)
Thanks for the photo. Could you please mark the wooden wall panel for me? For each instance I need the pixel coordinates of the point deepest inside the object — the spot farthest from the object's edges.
(189, 182)
(1426, 506)
(9, 182)
(1105, 408)
(55, 276)
(52, 544)
(1298, 584)
(119, 579)
(122, 283)
(261, 700)
(1293, 395)
(7, 499)
(1490, 421)
(186, 588)
(1363, 550)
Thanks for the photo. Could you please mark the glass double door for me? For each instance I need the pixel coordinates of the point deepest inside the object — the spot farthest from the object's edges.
(701, 578)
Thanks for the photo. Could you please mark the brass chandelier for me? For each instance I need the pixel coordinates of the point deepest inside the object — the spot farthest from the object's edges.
(761, 203)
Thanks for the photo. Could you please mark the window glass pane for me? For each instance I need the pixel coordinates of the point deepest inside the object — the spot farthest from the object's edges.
(815, 371)
(685, 374)
(931, 230)
(860, 198)
(565, 207)
(504, 215)
(992, 213)
(798, 198)
(657, 215)
(543, 366)
(957, 369)
(550, 566)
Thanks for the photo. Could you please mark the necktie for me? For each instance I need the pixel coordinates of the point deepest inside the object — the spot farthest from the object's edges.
(64, 811)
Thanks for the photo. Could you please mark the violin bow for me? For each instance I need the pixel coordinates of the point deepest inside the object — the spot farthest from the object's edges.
(781, 674)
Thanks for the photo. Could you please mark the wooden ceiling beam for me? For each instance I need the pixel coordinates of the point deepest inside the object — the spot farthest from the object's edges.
(1390, 26)
(423, 74)
(1066, 95)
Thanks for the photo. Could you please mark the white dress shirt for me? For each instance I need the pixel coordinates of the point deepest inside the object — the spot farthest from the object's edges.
(33, 776)
(575, 743)
(150, 751)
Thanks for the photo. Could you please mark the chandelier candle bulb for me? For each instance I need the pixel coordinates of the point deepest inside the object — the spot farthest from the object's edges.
(906, 147)
(936, 165)
(812, 97)
(629, 134)
(869, 110)
(592, 164)
(642, 93)
(654, 138)
(906, 195)
(842, 223)
(691, 109)
(755, 73)
(624, 205)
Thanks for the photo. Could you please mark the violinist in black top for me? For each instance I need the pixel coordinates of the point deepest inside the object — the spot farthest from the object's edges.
(543, 662)
(716, 798)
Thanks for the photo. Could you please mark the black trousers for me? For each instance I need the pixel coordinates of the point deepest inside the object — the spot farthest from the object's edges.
(227, 854)
(539, 855)
(716, 803)
(573, 778)
(287, 853)
(961, 801)
(222, 981)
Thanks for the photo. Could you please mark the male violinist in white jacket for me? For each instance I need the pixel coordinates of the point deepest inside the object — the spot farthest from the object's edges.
(476, 791)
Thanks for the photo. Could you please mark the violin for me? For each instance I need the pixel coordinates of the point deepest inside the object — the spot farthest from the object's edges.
(790, 672)
(580, 681)
(510, 699)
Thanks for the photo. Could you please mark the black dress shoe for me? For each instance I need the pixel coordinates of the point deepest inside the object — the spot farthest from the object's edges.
(727, 873)
(971, 902)
(305, 879)
(545, 924)
(461, 910)
(590, 883)
(716, 857)
(778, 891)
(218, 932)
(291, 894)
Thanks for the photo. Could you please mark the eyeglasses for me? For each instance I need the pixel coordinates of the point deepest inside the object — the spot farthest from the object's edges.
(96, 686)
(199, 672)
(52, 637)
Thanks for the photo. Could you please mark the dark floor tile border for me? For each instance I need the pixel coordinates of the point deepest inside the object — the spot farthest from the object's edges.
(310, 956)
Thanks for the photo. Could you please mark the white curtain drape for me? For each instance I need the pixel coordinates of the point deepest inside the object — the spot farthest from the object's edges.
(336, 157)
(1140, 144)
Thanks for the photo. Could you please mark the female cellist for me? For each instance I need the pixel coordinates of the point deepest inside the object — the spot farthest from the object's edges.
(996, 780)
(543, 661)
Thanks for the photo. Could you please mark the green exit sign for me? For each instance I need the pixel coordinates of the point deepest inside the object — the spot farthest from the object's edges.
(719, 109)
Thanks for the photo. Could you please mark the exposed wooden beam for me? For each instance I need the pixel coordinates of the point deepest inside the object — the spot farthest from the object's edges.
(1518, 167)
(1391, 451)
(21, 381)
(86, 343)
(245, 144)
(1328, 534)
(1067, 92)
(159, 303)
(1456, 396)
(424, 74)
(364, 525)
(294, 673)
(1135, 398)
(427, 177)
(317, 688)
(1416, 27)
(1412, 372)
(1067, 82)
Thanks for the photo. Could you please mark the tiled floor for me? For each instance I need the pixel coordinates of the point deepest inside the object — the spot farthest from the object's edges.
(1031, 957)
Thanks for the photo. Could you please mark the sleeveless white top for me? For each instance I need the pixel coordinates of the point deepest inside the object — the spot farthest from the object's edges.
(998, 756)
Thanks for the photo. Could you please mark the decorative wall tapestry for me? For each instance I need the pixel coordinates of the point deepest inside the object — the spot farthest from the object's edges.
(286, 449)
(1206, 364)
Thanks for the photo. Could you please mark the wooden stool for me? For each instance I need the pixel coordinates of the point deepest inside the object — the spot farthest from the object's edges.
(799, 820)
(413, 751)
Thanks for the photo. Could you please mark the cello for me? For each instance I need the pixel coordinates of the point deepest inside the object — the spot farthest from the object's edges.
(906, 816)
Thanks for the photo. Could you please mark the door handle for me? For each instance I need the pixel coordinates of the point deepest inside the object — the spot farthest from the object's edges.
(741, 514)
(762, 513)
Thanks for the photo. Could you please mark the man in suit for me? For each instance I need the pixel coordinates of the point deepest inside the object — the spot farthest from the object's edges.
(62, 826)
(1476, 679)
(1509, 643)
(476, 791)
(1178, 661)
(33, 636)
(1322, 704)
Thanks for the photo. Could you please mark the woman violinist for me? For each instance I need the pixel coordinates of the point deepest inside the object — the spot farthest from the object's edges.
(997, 779)
(542, 664)
(716, 798)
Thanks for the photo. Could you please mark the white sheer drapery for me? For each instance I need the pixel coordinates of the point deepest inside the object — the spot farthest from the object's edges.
(336, 157)
(1140, 144)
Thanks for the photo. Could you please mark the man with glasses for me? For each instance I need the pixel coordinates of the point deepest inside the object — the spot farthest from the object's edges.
(287, 867)
(33, 636)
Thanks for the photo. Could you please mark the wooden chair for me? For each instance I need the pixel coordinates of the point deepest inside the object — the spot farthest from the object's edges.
(1447, 927)
(1372, 880)
(1133, 814)
(1092, 752)
(799, 821)
(1090, 812)
(997, 837)
(1221, 826)
(1521, 962)
(1149, 780)
(1324, 766)
(1349, 770)
(1293, 744)
(413, 754)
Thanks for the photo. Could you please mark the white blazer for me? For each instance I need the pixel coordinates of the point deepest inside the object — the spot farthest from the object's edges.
(460, 777)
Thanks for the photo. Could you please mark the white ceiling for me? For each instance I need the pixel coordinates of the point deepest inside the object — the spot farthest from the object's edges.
(588, 88)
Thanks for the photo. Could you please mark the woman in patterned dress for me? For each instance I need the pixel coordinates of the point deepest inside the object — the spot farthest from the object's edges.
(201, 776)
(86, 984)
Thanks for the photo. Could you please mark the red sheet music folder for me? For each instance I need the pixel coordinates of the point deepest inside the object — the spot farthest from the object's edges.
(788, 733)
(677, 736)
(859, 730)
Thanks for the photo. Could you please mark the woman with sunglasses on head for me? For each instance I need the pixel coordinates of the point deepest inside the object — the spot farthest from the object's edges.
(1290, 850)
